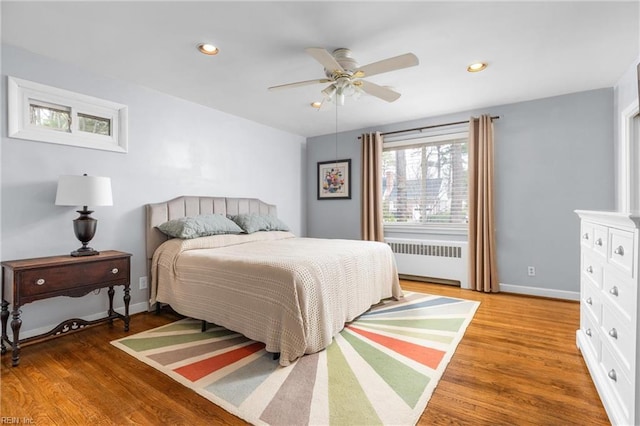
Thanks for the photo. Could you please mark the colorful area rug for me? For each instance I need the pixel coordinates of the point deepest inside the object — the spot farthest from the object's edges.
(381, 369)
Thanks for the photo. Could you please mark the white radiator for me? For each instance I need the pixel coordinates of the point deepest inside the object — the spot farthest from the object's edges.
(448, 260)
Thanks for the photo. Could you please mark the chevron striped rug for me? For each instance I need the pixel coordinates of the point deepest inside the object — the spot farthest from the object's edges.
(381, 369)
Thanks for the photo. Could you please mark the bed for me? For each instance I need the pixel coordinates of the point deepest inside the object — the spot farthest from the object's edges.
(293, 294)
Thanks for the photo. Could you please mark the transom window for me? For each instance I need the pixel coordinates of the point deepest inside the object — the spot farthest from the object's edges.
(92, 124)
(48, 114)
(425, 181)
(55, 117)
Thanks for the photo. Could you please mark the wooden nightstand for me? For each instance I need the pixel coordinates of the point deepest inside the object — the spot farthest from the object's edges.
(46, 277)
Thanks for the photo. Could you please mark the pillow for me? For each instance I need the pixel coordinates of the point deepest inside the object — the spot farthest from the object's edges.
(252, 222)
(199, 226)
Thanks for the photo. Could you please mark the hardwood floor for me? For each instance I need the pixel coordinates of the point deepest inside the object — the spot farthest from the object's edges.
(517, 364)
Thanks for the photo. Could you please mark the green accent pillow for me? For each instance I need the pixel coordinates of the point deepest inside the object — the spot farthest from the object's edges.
(199, 226)
(252, 222)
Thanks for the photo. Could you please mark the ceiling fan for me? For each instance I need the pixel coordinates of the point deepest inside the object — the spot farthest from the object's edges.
(345, 75)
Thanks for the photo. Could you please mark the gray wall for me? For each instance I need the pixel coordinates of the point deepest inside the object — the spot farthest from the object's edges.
(553, 156)
(175, 148)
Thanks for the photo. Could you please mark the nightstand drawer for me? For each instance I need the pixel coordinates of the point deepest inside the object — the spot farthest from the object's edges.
(72, 276)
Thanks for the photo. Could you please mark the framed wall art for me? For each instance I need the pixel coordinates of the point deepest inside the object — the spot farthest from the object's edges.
(334, 180)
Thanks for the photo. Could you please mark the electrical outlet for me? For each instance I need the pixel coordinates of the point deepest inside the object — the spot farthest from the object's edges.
(143, 283)
(531, 271)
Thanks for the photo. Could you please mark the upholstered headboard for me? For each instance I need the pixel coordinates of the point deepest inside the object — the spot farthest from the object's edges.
(192, 206)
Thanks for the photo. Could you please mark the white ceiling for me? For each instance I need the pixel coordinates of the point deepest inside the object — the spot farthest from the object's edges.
(534, 50)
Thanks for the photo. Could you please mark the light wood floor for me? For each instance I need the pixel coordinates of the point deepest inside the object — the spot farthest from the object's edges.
(517, 364)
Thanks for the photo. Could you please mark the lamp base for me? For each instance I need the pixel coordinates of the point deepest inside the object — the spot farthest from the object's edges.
(84, 251)
(85, 228)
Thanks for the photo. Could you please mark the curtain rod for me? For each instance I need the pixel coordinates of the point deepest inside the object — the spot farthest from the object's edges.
(429, 127)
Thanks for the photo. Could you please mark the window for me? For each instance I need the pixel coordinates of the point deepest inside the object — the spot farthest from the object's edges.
(425, 181)
(48, 114)
(90, 124)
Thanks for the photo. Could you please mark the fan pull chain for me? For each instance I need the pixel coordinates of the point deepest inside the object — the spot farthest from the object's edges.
(336, 134)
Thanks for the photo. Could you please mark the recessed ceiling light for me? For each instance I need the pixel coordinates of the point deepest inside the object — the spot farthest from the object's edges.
(316, 104)
(475, 67)
(208, 49)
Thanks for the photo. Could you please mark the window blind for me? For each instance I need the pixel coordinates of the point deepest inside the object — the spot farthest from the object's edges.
(425, 180)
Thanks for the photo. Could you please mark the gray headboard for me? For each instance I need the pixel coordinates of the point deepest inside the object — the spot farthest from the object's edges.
(192, 206)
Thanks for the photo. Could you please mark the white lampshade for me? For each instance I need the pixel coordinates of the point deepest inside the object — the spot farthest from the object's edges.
(84, 191)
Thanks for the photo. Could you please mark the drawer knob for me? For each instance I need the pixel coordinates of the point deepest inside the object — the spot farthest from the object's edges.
(614, 290)
(612, 375)
(619, 251)
(40, 281)
(114, 271)
(613, 333)
(589, 301)
(588, 332)
(585, 236)
(599, 242)
(590, 269)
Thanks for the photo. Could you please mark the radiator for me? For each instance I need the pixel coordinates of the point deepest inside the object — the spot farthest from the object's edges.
(446, 260)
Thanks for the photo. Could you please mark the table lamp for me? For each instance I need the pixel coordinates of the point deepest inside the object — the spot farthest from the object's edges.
(84, 191)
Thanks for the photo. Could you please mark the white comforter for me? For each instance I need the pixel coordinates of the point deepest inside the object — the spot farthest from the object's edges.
(293, 294)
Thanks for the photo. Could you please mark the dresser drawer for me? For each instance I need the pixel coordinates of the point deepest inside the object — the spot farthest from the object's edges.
(586, 234)
(590, 330)
(72, 276)
(600, 239)
(590, 301)
(617, 334)
(592, 268)
(620, 291)
(620, 251)
(618, 381)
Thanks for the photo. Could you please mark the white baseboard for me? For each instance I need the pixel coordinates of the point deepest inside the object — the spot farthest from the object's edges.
(538, 291)
(133, 309)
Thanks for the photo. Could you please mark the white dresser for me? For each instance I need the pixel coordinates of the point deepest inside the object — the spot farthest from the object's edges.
(609, 332)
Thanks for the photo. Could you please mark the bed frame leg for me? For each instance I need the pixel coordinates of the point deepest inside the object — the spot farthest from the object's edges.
(276, 356)
(203, 327)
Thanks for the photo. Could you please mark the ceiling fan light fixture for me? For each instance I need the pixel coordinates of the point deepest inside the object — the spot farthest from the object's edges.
(208, 49)
(316, 104)
(477, 67)
(329, 91)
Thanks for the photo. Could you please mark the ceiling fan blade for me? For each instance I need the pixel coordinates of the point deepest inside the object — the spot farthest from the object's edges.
(391, 64)
(383, 93)
(299, 83)
(325, 58)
